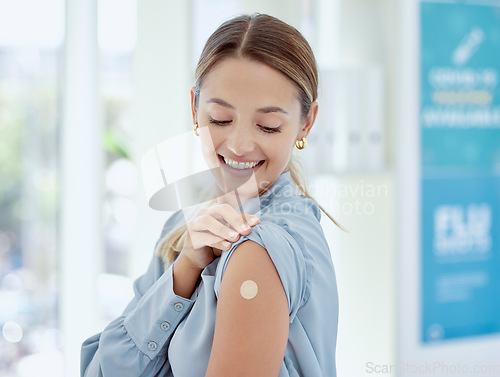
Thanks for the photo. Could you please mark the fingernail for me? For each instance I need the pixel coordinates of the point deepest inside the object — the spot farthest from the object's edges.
(233, 234)
(253, 220)
(226, 244)
(245, 227)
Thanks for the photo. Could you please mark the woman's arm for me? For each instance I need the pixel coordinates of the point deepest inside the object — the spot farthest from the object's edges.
(250, 333)
(136, 343)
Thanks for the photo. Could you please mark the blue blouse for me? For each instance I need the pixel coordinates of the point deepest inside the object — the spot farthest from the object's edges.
(163, 334)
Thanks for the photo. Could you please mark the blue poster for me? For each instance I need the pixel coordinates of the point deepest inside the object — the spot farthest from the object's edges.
(460, 166)
(460, 92)
(461, 257)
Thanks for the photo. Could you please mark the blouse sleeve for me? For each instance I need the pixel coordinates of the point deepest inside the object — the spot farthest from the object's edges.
(285, 249)
(136, 343)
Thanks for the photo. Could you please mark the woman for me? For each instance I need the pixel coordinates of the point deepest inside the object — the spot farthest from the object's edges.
(230, 292)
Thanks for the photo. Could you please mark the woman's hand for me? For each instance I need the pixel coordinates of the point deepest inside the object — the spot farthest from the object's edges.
(212, 230)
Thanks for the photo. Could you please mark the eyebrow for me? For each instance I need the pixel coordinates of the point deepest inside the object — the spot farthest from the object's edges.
(268, 109)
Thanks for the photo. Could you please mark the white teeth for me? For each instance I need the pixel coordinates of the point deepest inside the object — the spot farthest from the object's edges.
(240, 165)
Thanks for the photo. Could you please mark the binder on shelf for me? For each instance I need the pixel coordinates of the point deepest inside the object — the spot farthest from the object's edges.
(375, 133)
(352, 110)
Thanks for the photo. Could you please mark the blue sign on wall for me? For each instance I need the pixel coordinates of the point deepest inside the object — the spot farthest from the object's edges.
(460, 91)
(460, 149)
(461, 256)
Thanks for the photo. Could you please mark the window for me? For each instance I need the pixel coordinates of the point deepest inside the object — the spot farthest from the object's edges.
(30, 63)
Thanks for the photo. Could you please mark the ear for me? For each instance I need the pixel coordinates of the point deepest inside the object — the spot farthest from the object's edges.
(310, 119)
(193, 105)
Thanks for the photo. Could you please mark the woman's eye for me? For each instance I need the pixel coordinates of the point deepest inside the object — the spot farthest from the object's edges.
(270, 129)
(219, 122)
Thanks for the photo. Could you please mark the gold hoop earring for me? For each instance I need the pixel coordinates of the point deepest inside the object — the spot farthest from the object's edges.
(301, 144)
(195, 129)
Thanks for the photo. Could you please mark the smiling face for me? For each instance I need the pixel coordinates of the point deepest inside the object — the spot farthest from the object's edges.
(249, 118)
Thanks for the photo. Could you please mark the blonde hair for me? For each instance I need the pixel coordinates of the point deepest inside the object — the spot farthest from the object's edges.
(265, 39)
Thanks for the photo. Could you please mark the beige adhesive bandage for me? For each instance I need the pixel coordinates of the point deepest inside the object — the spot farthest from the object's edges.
(249, 289)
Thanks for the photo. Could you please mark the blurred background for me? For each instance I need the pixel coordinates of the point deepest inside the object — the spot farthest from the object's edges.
(405, 154)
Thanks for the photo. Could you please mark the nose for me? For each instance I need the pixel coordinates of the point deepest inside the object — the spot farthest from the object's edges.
(239, 140)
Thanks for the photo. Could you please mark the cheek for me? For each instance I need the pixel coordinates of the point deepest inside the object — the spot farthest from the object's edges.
(278, 149)
(212, 134)
(208, 143)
